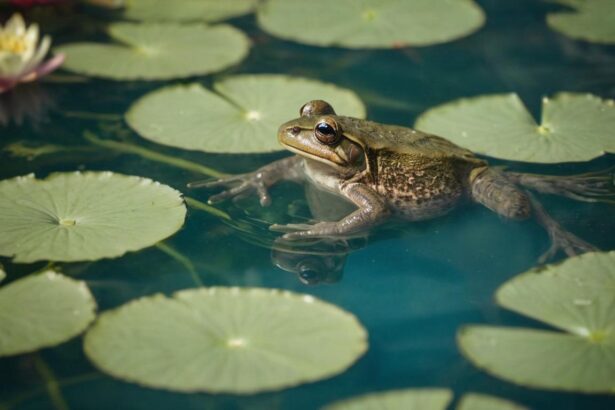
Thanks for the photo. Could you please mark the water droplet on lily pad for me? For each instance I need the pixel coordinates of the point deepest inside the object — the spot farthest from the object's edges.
(157, 51)
(574, 127)
(408, 399)
(580, 358)
(370, 23)
(84, 216)
(186, 10)
(225, 340)
(591, 20)
(241, 115)
(476, 401)
(43, 310)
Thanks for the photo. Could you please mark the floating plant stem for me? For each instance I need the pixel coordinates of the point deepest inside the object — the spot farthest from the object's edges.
(182, 259)
(128, 148)
(51, 383)
(202, 206)
(92, 115)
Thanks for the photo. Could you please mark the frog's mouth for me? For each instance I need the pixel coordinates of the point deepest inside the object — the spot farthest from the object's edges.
(304, 145)
(328, 157)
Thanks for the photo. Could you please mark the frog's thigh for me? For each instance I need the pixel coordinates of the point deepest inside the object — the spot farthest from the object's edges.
(372, 209)
(491, 189)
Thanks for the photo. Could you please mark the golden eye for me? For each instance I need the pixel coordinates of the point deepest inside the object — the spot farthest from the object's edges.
(327, 132)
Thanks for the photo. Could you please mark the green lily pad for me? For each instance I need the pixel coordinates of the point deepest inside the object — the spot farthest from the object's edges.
(591, 20)
(475, 401)
(84, 216)
(408, 399)
(225, 340)
(422, 399)
(574, 127)
(370, 23)
(43, 310)
(241, 115)
(186, 10)
(576, 296)
(2, 273)
(157, 51)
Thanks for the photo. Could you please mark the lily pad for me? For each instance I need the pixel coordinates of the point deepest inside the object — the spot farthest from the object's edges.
(84, 216)
(475, 401)
(241, 115)
(577, 297)
(186, 10)
(370, 23)
(43, 310)
(157, 51)
(2, 273)
(574, 127)
(591, 20)
(408, 399)
(225, 340)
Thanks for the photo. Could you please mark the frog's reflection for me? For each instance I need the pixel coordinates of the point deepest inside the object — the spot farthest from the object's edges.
(314, 263)
(320, 260)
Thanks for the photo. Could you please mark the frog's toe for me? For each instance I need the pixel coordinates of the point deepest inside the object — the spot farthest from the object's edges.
(290, 227)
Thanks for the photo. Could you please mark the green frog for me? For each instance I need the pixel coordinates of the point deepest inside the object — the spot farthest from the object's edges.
(392, 171)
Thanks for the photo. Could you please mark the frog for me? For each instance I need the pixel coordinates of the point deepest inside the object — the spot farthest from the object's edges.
(391, 171)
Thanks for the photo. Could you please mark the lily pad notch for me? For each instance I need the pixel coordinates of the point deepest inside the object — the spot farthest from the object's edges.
(577, 297)
(574, 127)
(240, 115)
(158, 51)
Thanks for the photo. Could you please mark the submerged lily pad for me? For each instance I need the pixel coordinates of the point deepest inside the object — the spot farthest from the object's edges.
(422, 399)
(157, 51)
(475, 401)
(84, 216)
(43, 310)
(225, 340)
(574, 127)
(591, 20)
(186, 10)
(370, 23)
(408, 399)
(576, 296)
(241, 115)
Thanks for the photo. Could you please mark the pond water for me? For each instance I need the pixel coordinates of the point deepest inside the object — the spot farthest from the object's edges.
(411, 285)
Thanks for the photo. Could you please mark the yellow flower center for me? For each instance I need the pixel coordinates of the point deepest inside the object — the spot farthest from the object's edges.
(13, 44)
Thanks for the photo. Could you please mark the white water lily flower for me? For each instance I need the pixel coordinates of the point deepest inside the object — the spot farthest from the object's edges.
(21, 54)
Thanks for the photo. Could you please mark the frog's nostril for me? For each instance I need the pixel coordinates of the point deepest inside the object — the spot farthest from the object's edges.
(295, 130)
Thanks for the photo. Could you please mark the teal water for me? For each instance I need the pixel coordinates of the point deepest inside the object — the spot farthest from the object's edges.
(412, 285)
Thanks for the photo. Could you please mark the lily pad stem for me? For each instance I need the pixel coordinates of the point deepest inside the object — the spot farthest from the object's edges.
(51, 383)
(202, 206)
(182, 259)
(129, 148)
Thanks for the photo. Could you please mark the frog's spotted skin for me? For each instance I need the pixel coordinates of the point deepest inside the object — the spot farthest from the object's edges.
(387, 170)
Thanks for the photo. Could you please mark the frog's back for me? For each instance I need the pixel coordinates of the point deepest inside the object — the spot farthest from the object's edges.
(404, 140)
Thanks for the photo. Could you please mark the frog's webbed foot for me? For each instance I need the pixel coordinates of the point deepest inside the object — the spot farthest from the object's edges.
(561, 239)
(238, 186)
(590, 187)
(242, 185)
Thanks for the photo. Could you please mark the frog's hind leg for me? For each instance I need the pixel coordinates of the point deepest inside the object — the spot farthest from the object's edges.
(492, 189)
(561, 239)
(497, 192)
(590, 187)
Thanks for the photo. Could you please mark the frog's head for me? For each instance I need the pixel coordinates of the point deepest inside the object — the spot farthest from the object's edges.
(318, 134)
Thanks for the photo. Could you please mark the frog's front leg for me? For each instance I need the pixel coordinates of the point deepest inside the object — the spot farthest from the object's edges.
(372, 210)
(258, 182)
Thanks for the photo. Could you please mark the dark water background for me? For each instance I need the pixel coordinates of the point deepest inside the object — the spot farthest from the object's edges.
(412, 286)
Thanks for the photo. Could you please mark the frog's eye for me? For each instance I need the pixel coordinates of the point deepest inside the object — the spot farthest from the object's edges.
(316, 107)
(327, 132)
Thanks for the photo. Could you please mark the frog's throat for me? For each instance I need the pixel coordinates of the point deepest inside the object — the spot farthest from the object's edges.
(342, 167)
